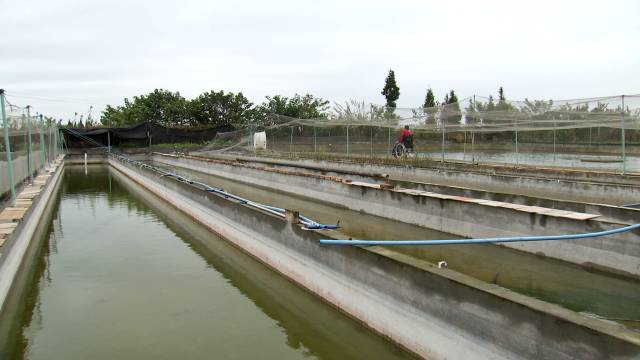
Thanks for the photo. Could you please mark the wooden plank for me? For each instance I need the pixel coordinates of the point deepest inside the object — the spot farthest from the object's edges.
(27, 196)
(6, 231)
(11, 214)
(11, 225)
(580, 216)
(2, 240)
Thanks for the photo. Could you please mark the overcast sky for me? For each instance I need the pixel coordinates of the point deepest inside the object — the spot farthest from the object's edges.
(70, 54)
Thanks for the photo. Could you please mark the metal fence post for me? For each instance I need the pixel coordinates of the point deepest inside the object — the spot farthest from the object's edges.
(464, 146)
(7, 147)
(443, 133)
(315, 140)
(473, 153)
(347, 140)
(29, 150)
(291, 143)
(622, 133)
(517, 154)
(50, 144)
(371, 141)
(43, 151)
(389, 142)
(554, 139)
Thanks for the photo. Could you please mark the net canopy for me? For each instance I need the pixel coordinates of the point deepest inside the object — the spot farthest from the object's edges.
(483, 114)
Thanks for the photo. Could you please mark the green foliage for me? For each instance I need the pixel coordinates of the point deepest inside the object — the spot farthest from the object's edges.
(161, 106)
(301, 107)
(217, 108)
(503, 105)
(391, 91)
(209, 109)
(429, 100)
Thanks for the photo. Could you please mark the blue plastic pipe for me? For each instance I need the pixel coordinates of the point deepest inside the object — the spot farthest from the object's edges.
(478, 241)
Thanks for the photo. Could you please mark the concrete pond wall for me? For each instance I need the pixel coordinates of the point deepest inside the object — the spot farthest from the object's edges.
(618, 253)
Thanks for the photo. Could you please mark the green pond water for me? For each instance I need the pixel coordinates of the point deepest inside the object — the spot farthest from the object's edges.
(119, 274)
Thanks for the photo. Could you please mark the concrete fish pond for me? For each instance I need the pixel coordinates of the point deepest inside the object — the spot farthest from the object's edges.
(174, 256)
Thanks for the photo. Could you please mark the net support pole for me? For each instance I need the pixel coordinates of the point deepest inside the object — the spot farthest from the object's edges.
(464, 146)
(554, 139)
(315, 140)
(29, 150)
(473, 153)
(50, 146)
(475, 109)
(622, 140)
(442, 146)
(347, 140)
(43, 151)
(517, 153)
(54, 130)
(371, 141)
(389, 142)
(291, 143)
(7, 147)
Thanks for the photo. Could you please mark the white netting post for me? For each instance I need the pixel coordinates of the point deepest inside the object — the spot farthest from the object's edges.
(371, 141)
(442, 146)
(7, 148)
(347, 140)
(554, 140)
(516, 128)
(464, 146)
(291, 143)
(389, 142)
(29, 147)
(473, 153)
(622, 134)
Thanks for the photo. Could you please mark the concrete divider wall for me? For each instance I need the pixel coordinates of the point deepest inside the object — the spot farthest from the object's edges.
(436, 313)
(612, 212)
(573, 185)
(618, 253)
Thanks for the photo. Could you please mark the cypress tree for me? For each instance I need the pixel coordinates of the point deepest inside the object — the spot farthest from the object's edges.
(429, 100)
(391, 91)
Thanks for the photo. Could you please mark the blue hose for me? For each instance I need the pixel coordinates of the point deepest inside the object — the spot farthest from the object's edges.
(478, 241)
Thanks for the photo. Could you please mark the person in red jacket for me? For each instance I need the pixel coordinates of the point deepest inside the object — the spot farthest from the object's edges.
(406, 138)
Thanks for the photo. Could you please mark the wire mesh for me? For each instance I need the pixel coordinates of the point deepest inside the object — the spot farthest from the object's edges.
(28, 145)
(595, 133)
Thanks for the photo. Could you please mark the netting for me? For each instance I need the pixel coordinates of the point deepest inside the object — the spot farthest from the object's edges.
(594, 133)
(29, 143)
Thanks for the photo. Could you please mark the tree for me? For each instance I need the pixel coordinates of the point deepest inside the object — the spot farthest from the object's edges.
(452, 98)
(502, 102)
(217, 108)
(429, 100)
(451, 109)
(300, 107)
(161, 106)
(391, 91)
(429, 105)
